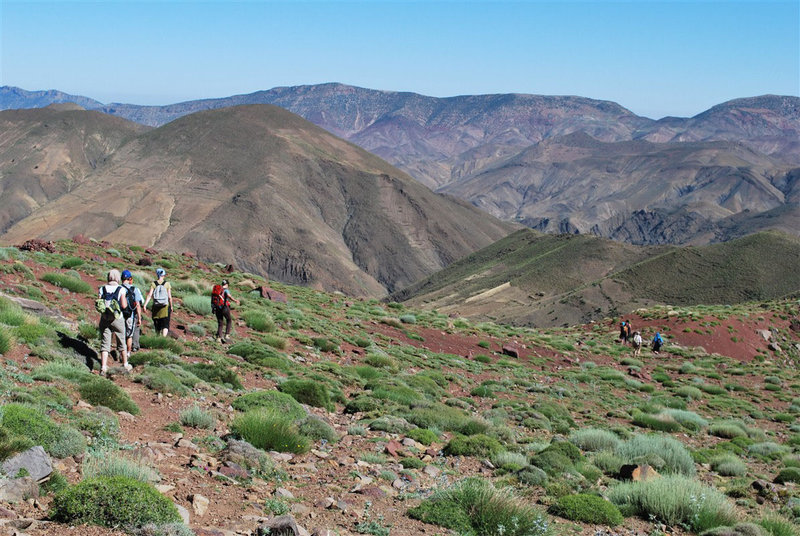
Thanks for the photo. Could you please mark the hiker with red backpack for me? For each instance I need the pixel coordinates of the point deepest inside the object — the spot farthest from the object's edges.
(221, 307)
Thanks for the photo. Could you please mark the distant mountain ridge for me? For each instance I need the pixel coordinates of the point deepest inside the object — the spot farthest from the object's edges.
(252, 185)
(472, 147)
(529, 278)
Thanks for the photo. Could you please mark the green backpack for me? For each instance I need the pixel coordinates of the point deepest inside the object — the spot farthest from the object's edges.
(108, 303)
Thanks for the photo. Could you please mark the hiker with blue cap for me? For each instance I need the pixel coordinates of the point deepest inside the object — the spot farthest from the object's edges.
(133, 312)
(161, 293)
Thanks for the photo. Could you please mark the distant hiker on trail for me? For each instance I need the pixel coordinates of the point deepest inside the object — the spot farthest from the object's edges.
(623, 332)
(161, 292)
(628, 331)
(133, 312)
(221, 307)
(111, 302)
(658, 342)
(636, 342)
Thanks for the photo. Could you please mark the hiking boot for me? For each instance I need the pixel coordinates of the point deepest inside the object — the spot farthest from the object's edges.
(217, 339)
(224, 341)
(128, 367)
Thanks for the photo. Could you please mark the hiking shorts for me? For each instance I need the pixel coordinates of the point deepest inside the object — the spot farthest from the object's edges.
(161, 323)
(130, 326)
(112, 327)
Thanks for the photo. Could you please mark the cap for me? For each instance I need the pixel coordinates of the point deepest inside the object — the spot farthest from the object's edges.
(160, 272)
(224, 282)
(126, 274)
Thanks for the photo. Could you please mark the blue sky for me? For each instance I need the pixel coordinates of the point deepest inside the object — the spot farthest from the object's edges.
(654, 57)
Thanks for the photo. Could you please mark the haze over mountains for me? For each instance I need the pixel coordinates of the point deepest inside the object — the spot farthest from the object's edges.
(558, 164)
(253, 185)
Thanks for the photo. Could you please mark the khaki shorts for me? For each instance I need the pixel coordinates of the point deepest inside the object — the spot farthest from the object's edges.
(112, 326)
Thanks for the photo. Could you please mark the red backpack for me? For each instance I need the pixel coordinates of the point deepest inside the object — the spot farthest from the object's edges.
(217, 298)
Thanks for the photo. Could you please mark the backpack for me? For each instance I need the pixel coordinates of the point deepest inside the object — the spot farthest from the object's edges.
(160, 295)
(658, 339)
(217, 298)
(108, 303)
(130, 294)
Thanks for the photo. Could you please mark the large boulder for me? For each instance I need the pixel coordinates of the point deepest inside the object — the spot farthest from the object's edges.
(34, 460)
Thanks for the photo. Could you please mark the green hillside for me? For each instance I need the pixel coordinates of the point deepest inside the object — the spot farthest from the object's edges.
(382, 419)
(546, 280)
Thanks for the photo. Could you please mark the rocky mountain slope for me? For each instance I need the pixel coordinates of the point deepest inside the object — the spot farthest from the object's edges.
(255, 186)
(635, 191)
(471, 146)
(555, 280)
(378, 419)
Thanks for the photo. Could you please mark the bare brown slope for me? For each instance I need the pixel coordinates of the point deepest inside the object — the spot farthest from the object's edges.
(48, 152)
(264, 188)
(578, 183)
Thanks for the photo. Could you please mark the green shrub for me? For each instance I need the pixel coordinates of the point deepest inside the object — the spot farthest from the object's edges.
(532, 476)
(110, 464)
(553, 463)
(688, 419)
(167, 379)
(308, 392)
(5, 340)
(768, 449)
(150, 357)
(274, 341)
(689, 392)
(587, 508)
(474, 506)
(71, 262)
(662, 422)
(73, 284)
(157, 342)
(675, 456)
(474, 445)
(608, 462)
(776, 525)
(391, 424)
(788, 474)
(673, 500)
(269, 430)
(196, 417)
(727, 430)
(259, 321)
(115, 502)
(408, 319)
(273, 400)
(422, 435)
(13, 317)
(324, 345)
(317, 429)
(728, 465)
(215, 373)
(59, 441)
(11, 444)
(594, 439)
(103, 392)
(197, 304)
(565, 448)
(32, 332)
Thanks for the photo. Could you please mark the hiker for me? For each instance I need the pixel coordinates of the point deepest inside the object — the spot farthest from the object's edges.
(161, 293)
(133, 312)
(623, 332)
(111, 302)
(628, 331)
(636, 342)
(658, 342)
(221, 307)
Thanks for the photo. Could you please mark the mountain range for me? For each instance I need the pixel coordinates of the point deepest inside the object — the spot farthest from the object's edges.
(256, 186)
(555, 163)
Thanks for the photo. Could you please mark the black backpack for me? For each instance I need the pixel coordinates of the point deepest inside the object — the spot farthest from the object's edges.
(130, 294)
